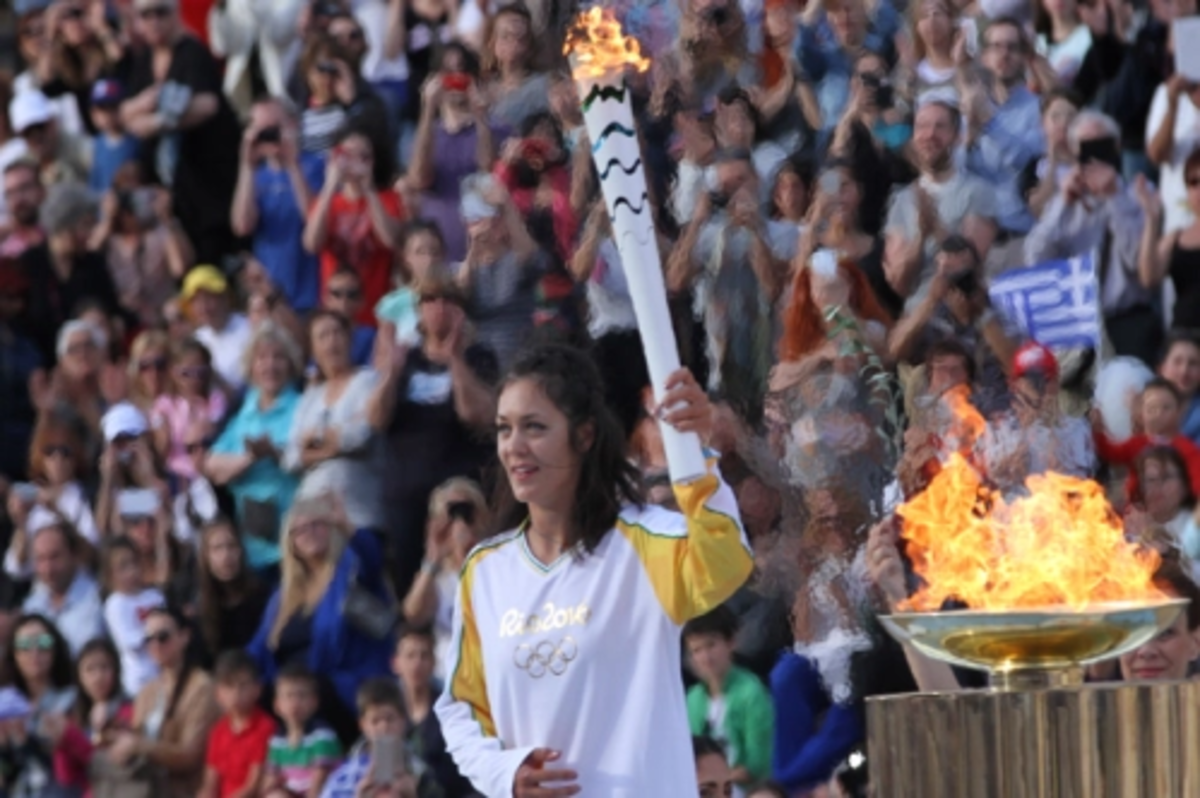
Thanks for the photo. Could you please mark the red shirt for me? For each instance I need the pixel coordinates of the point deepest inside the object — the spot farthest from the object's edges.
(232, 754)
(350, 240)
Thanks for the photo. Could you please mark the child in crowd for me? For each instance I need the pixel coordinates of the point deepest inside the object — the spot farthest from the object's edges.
(1161, 412)
(237, 746)
(729, 704)
(191, 397)
(381, 718)
(713, 775)
(422, 257)
(112, 147)
(1181, 366)
(344, 295)
(304, 750)
(413, 665)
(129, 600)
(101, 706)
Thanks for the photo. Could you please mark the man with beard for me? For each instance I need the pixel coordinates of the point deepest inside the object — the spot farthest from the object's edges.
(1004, 127)
(23, 194)
(942, 201)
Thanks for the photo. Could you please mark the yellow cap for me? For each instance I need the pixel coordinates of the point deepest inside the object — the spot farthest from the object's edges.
(203, 278)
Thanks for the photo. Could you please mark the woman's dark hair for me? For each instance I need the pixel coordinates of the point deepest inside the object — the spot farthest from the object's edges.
(60, 671)
(470, 61)
(189, 664)
(804, 168)
(215, 594)
(537, 119)
(1164, 455)
(323, 313)
(706, 746)
(381, 161)
(411, 230)
(607, 479)
(83, 702)
(1173, 579)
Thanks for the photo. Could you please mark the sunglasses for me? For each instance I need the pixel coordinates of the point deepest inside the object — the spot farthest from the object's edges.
(1193, 181)
(73, 13)
(50, 451)
(32, 32)
(42, 642)
(157, 364)
(158, 638)
(193, 372)
(348, 293)
(197, 446)
(155, 12)
(124, 439)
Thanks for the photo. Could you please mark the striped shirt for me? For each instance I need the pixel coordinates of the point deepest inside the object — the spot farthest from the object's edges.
(298, 765)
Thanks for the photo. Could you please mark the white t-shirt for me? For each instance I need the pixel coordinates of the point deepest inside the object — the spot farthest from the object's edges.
(125, 617)
(227, 348)
(372, 16)
(1177, 214)
(1066, 57)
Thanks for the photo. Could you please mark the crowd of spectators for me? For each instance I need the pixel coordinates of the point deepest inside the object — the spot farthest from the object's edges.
(262, 266)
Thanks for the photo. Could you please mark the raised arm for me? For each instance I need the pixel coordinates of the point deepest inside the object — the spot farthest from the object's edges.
(1154, 252)
(698, 559)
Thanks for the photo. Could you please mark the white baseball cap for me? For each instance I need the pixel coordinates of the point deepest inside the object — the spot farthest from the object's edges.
(123, 419)
(28, 108)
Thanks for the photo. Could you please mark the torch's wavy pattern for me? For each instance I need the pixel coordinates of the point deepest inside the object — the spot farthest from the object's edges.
(629, 170)
(610, 129)
(601, 92)
(635, 209)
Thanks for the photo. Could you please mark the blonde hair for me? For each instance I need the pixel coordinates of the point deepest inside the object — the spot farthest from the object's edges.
(296, 579)
(145, 341)
(270, 332)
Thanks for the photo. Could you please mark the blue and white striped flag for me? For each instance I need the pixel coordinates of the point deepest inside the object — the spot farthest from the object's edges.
(1056, 303)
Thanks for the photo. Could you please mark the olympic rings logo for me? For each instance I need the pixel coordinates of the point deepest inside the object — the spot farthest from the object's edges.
(538, 659)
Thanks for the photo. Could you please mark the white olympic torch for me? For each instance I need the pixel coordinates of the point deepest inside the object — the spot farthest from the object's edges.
(600, 54)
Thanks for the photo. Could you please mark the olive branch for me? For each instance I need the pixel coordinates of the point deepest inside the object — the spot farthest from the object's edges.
(885, 390)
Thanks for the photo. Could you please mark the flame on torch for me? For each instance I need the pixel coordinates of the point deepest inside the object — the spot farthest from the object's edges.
(597, 46)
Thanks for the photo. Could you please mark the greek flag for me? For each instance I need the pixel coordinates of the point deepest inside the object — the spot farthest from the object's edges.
(1055, 303)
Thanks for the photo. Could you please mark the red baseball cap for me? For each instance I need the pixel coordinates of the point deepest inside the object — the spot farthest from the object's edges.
(1033, 357)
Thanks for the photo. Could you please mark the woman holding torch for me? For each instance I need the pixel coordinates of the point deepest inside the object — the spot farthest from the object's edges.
(565, 673)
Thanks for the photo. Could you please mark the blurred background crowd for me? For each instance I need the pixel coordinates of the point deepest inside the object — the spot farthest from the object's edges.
(263, 262)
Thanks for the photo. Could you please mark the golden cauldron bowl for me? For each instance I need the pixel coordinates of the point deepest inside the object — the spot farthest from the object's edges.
(1035, 647)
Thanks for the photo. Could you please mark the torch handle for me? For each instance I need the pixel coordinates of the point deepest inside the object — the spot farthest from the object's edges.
(608, 114)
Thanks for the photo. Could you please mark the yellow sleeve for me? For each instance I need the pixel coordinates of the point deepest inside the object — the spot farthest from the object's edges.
(695, 560)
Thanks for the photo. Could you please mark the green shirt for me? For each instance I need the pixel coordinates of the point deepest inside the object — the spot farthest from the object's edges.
(749, 722)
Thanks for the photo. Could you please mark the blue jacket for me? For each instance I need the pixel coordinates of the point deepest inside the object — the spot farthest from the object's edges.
(339, 652)
(808, 747)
